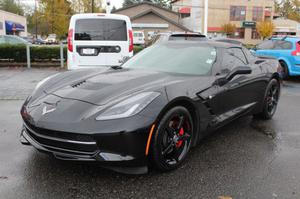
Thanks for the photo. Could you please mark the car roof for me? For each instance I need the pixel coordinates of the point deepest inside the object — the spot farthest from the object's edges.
(288, 38)
(203, 43)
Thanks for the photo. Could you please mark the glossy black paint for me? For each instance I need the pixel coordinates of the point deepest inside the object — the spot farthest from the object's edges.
(79, 97)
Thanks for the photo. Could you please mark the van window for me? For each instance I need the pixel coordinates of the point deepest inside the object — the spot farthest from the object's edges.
(101, 30)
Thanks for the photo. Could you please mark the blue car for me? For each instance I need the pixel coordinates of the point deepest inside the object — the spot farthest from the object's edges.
(286, 50)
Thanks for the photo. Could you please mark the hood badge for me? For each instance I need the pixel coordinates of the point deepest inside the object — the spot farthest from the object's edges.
(45, 110)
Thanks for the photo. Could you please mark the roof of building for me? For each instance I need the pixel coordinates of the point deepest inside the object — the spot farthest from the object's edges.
(161, 16)
(146, 2)
(155, 12)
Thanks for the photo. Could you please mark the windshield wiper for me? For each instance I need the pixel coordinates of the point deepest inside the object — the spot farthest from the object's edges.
(116, 67)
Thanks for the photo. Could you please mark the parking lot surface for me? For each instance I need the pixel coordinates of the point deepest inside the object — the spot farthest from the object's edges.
(245, 159)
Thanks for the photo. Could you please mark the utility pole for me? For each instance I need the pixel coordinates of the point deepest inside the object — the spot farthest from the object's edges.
(36, 23)
(205, 16)
(92, 6)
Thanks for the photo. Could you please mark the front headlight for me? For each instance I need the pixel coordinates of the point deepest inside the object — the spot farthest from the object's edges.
(129, 106)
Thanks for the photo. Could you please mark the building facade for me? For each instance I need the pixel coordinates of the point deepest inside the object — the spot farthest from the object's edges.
(151, 18)
(285, 27)
(245, 14)
(12, 24)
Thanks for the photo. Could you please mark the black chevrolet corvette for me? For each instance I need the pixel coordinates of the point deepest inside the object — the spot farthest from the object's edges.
(153, 108)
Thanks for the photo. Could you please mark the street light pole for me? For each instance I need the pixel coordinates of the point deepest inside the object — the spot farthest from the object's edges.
(205, 17)
(36, 23)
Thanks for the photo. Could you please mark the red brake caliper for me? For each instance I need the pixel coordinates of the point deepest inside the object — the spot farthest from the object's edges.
(179, 143)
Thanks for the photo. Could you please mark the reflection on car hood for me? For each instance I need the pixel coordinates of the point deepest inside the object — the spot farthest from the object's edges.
(110, 85)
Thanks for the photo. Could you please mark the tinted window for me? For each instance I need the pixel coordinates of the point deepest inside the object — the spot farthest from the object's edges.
(266, 45)
(232, 59)
(238, 53)
(283, 45)
(101, 30)
(187, 37)
(188, 59)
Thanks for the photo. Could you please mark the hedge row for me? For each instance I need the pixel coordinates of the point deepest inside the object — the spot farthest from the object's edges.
(17, 53)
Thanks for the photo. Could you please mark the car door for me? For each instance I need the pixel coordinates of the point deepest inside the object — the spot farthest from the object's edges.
(239, 94)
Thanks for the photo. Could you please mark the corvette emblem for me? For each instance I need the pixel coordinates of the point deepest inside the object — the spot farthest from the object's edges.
(45, 110)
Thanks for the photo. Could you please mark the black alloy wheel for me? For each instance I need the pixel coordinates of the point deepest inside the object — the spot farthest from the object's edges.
(271, 100)
(172, 139)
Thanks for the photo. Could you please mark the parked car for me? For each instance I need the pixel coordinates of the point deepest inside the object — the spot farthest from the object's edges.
(164, 37)
(231, 41)
(39, 41)
(28, 39)
(153, 108)
(96, 40)
(51, 39)
(138, 38)
(13, 40)
(286, 50)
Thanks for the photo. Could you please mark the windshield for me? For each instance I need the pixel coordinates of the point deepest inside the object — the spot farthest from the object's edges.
(101, 30)
(175, 58)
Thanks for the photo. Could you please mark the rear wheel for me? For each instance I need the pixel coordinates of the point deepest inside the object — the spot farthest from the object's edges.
(285, 70)
(270, 101)
(172, 139)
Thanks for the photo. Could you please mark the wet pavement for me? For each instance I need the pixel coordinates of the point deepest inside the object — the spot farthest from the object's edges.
(245, 159)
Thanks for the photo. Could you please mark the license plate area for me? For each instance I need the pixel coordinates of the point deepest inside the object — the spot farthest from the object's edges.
(95, 50)
(88, 52)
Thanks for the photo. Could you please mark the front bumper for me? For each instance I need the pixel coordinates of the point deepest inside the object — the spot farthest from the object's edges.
(128, 155)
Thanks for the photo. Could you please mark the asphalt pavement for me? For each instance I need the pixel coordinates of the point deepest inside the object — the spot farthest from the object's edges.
(245, 159)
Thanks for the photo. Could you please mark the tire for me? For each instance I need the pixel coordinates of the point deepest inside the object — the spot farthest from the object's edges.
(172, 139)
(270, 101)
(285, 70)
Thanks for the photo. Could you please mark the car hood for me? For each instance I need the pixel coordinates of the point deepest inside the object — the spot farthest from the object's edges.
(112, 85)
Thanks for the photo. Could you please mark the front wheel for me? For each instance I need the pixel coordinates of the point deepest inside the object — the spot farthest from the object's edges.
(172, 139)
(270, 101)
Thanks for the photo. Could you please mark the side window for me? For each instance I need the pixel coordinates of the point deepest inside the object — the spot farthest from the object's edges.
(239, 54)
(283, 45)
(266, 45)
(232, 60)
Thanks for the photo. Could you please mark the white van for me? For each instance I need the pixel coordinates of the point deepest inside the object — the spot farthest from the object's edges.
(98, 39)
(138, 38)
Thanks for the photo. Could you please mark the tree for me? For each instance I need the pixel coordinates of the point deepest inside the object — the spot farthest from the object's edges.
(288, 9)
(162, 3)
(127, 3)
(11, 6)
(265, 29)
(85, 6)
(56, 14)
(229, 29)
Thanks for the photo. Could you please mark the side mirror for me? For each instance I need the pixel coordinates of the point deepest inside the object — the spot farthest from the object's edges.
(240, 70)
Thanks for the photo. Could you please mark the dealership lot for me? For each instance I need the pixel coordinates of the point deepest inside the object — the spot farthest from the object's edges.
(245, 159)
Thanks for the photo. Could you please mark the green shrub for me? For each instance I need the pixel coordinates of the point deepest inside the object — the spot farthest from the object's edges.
(137, 49)
(17, 53)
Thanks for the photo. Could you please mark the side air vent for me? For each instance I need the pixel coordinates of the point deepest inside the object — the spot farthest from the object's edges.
(78, 84)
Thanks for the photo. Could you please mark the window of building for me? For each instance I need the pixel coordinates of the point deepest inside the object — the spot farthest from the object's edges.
(255, 34)
(237, 13)
(257, 13)
(184, 15)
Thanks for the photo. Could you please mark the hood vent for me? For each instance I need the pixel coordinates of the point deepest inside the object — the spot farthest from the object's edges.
(78, 84)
